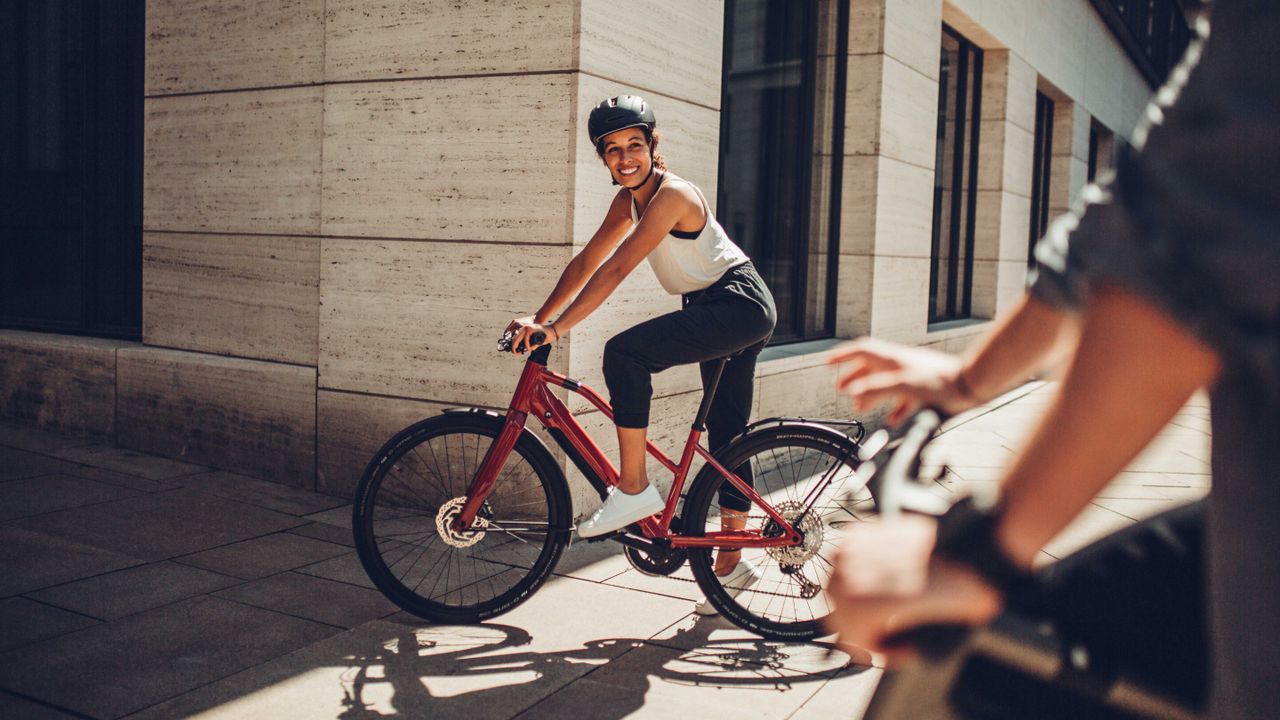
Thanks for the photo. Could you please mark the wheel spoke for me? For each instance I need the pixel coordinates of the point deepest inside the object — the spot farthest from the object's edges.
(428, 568)
(804, 477)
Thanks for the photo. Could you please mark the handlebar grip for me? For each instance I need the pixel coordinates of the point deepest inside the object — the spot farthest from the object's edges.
(504, 344)
(538, 338)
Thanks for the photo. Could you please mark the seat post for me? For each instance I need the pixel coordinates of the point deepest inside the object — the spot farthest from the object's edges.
(700, 422)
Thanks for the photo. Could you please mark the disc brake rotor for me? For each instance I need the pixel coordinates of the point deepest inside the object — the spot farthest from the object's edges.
(444, 525)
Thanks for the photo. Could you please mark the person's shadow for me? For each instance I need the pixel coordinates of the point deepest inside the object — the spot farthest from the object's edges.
(504, 682)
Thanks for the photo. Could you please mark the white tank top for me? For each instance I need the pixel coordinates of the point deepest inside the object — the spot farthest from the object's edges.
(685, 265)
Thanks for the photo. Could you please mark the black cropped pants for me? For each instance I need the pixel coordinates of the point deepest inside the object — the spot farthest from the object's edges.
(736, 314)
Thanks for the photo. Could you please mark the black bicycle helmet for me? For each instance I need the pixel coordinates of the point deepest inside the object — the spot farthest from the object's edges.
(619, 113)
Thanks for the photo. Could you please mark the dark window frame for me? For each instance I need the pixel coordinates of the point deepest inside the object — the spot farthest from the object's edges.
(73, 231)
(795, 320)
(1041, 172)
(968, 119)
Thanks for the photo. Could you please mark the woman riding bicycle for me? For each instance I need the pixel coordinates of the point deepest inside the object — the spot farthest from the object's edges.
(726, 309)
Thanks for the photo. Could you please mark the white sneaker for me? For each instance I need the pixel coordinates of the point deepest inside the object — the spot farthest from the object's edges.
(621, 509)
(743, 576)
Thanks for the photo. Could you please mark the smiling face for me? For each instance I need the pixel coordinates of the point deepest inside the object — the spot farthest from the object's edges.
(626, 154)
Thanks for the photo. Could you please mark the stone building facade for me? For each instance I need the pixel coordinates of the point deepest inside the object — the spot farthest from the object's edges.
(345, 201)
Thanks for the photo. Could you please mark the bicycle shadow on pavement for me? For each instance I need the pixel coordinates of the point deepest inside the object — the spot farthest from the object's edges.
(405, 668)
(489, 671)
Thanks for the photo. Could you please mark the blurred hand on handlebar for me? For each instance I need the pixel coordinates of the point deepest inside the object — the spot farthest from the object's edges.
(886, 582)
(876, 372)
(525, 329)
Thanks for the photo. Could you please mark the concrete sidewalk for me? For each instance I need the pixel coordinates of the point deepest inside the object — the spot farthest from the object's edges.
(141, 587)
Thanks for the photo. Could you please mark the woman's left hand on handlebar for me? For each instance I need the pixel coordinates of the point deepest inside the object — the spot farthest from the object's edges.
(525, 328)
(885, 582)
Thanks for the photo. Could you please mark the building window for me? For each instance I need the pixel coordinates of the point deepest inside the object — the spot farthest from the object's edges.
(71, 89)
(1102, 144)
(1040, 172)
(955, 178)
(781, 143)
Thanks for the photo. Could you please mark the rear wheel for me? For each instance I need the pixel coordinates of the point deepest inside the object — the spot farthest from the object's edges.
(807, 473)
(415, 486)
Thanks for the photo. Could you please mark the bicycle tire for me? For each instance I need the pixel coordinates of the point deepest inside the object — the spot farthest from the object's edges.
(409, 489)
(788, 462)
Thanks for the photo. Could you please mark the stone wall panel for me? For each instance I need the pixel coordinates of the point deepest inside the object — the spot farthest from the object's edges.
(422, 319)
(401, 160)
(909, 115)
(244, 162)
(913, 33)
(250, 296)
(60, 383)
(422, 38)
(227, 44)
(247, 416)
(900, 298)
(614, 43)
(352, 427)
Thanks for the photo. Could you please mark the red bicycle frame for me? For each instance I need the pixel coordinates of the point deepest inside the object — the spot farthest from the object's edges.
(533, 397)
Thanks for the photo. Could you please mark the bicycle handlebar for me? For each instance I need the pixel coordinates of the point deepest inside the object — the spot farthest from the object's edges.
(504, 342)
(894, 480)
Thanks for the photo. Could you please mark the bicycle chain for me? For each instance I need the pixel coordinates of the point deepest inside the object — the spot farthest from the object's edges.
(734, 587)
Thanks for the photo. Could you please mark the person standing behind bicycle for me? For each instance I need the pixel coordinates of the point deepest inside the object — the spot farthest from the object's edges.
(726, 309)
(1164, 284)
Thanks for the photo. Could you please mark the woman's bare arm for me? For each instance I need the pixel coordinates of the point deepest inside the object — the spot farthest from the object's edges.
(666, 208)
(614, 227)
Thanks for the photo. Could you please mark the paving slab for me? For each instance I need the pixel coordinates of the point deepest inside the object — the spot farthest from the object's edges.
(345, 568)
(713, 634)
(378, 669)
(109, 457)
(16, 464)
(132, 590)
(313, 598)
(679, 584)
(657, 681)
(121, 479)
(113, 669)
(846, 695)
(162, 525)
(325, 532)
(12, 706)
(47, 493)
(338, 517)
(34, 560)
(24, 621)
(592, 561)
(263, 556)
(270, 495)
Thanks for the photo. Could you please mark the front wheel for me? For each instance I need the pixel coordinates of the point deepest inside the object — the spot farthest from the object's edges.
(416, 485)
(807, 473)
